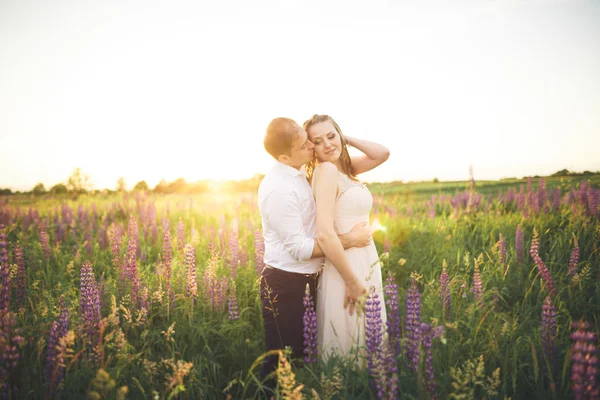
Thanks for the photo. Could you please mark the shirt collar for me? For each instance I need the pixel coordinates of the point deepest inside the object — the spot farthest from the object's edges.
(290, 170)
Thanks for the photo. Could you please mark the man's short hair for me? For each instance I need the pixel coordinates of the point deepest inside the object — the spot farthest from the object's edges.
(280, 136)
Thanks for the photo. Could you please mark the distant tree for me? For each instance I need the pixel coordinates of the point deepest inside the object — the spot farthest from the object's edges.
(161, 187)
(562, 172)
(177, 186)
(436, 180)
(121, 185)
(141, 186)
(5, 191)
(39, 189)
(59, 188)
(79, 182)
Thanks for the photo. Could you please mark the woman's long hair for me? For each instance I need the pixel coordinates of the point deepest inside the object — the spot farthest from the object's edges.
(346, 161)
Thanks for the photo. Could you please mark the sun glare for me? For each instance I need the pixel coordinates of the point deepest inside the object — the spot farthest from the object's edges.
(376, 226)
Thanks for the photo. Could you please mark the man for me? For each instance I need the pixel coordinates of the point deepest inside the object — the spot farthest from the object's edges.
(292, 257)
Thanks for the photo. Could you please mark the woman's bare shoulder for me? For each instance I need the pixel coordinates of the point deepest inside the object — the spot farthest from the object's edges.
(326, 170)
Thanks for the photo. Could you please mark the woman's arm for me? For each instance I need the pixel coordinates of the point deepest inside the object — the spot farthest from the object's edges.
(325, 186)
(374, 154)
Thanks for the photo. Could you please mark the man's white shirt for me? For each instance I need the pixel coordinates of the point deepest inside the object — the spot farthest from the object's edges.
(288, 210)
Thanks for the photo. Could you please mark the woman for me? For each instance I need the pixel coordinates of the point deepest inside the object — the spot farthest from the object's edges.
(342, 201)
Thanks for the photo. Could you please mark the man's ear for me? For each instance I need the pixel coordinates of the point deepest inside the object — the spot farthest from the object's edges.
(284, 158)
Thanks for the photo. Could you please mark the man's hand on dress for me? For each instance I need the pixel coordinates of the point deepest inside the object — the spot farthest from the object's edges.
(354, 290)
(360, 235)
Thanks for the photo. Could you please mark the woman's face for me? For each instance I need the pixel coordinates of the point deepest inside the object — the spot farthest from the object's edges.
(327, 141)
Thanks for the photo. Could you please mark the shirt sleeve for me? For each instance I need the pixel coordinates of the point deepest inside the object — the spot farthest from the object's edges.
(285, 218)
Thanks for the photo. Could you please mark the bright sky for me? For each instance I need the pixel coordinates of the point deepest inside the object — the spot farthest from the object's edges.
(148, 90)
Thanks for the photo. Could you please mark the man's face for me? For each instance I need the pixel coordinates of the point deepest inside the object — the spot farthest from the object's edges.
(302, 150)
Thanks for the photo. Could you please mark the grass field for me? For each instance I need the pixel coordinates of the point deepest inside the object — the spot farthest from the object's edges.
(148, 296)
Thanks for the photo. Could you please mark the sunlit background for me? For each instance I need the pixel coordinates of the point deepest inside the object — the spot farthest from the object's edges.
(149, 91)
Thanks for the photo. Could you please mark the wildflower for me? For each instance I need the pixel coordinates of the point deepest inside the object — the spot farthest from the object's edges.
(548, 331)
(90, 306)
(233, 250)
(502, 253)
(20, 281)
(428, 333)
(477, 285)
(574, 259)
(413, 325)
(584, 369)
(380, 356)
(259, 251)
(393, 316)
(445, 291)
(287, 380)
(519, 245)
(180, 236)
(191, 287)
(167, 259)
(232, 305)
(544, 272)
(310, 328)
(45, 242)
(55, 368)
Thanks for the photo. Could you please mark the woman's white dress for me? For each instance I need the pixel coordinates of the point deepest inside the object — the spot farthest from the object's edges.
(337, 331)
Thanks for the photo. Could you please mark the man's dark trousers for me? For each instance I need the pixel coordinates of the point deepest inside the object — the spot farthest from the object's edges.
(282, 295)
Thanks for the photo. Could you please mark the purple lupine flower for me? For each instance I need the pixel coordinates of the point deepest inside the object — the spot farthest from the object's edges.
(165, 223)
(445, 293)
(232, 305)
(144, 303)
(502, 253)
(427, 333)
(521, 198)
(115, 248)
(584, 369)
(583, 195)
(55, 369)
(556, 199)
(180, 236)
(413, 325)
(259, 251)
(380, 356)
(574, 259)
(519, 245)
(167, 259)
(393, 315)
(20, 281)
(45, 242)
(544, 272)
(90, 307)
(10, 341)
(233, 250)
(542, 194)
(477, 285)
(132, 267)
(593, 200)
(4, 275)
(310, 328)
(191, 285)
(221, 293)
(548, 331)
